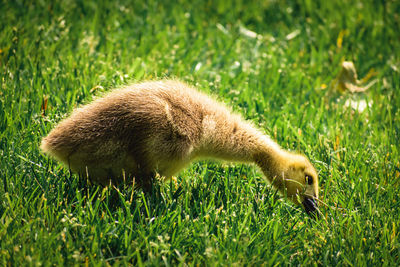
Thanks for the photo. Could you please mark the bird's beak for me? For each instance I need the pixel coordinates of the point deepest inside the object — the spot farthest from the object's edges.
(310, 205)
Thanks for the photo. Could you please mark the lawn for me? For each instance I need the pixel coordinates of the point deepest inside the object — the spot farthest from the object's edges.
(274, 62)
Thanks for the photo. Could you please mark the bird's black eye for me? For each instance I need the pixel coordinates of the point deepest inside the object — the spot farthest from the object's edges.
(309, 180)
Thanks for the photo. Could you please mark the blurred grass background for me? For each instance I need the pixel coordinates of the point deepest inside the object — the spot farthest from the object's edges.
(275, 62)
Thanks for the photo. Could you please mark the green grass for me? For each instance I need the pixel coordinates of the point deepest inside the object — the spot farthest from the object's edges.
(217, 214)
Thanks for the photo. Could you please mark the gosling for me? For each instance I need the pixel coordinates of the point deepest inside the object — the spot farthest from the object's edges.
(153, 127)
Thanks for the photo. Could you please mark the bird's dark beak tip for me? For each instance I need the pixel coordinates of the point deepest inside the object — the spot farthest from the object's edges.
(310, 205)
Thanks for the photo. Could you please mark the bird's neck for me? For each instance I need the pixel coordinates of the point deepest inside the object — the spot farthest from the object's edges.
(237, 140)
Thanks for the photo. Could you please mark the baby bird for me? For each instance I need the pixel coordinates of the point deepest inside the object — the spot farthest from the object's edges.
(160, 127)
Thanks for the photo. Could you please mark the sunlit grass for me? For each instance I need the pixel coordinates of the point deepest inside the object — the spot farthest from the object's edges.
(273, 61)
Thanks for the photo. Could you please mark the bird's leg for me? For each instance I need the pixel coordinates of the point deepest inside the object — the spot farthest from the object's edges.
(145, 181)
